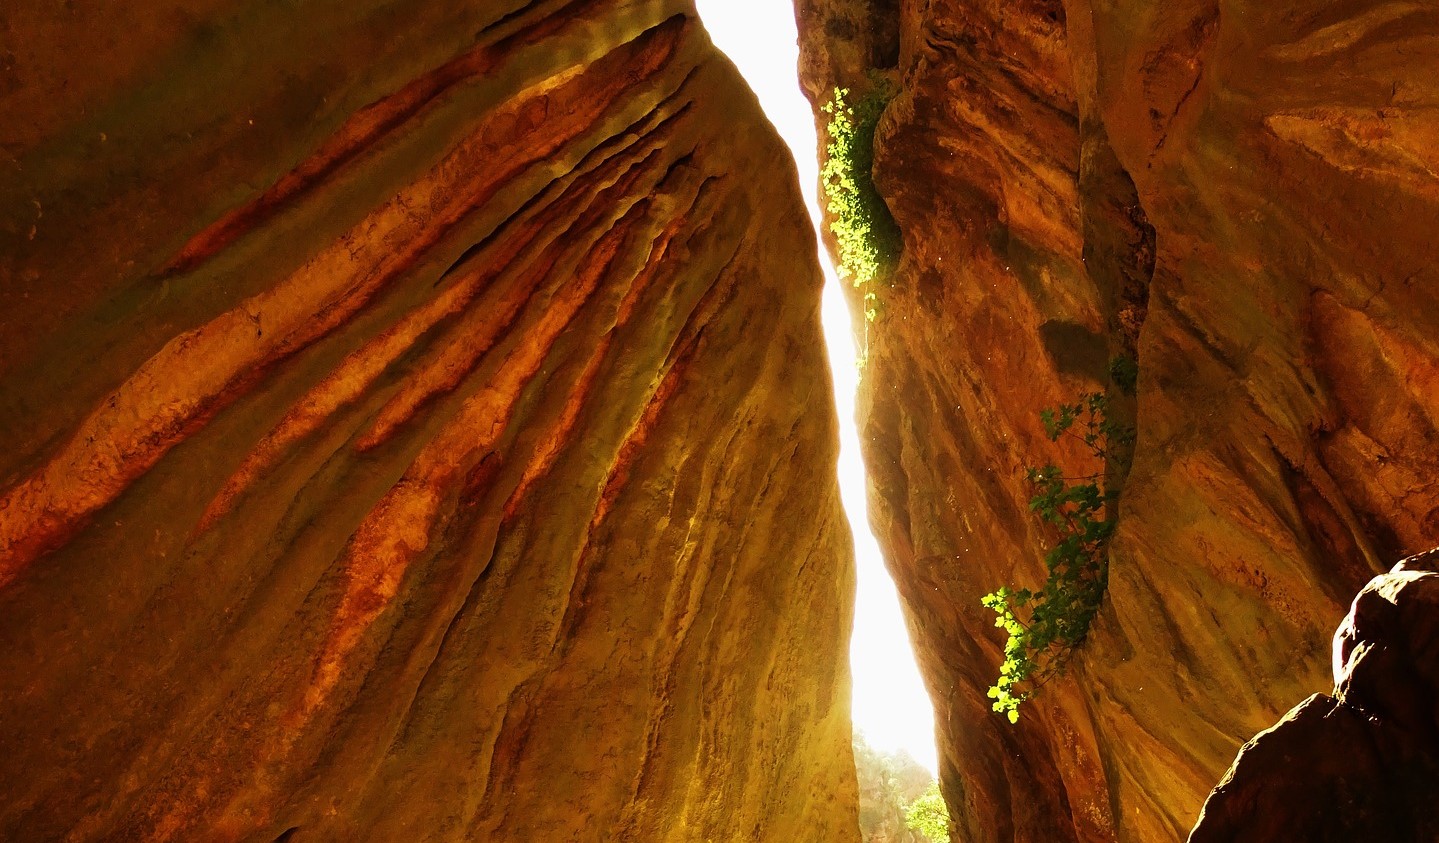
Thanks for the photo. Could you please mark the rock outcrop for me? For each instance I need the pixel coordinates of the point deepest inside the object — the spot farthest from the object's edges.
(416, 428)
(1364, 763)
(1239, 196)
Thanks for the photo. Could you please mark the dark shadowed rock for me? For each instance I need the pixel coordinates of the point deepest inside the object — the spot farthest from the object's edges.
(1362, 765)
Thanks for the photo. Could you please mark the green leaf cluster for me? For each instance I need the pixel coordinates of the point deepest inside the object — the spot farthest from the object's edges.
(1124, 371)
(864, 230)
(1045, 626)
(929, 815)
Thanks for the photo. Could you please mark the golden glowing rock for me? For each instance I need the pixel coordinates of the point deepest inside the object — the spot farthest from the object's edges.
(417, 428)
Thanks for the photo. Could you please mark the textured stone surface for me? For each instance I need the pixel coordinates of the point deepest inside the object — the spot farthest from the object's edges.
(1363, 764)
(416, 428)
(1241, 196)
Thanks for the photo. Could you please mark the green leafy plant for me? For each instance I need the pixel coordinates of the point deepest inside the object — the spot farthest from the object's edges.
(1045, 626)
(864, 230)
(929, 815)
(1124, 371)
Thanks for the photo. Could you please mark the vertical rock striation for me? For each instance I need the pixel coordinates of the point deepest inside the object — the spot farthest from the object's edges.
(1240, 196)
(416, 428)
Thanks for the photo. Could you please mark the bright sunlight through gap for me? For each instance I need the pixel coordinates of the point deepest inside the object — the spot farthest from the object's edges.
(891, 708)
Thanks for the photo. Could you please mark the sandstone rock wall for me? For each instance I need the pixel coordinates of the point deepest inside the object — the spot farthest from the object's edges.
(416, 428)
(1241, 196)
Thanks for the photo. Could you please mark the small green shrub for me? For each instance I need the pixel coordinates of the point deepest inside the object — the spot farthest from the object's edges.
(929, 816)
(1124, 371)
(865, 231)
(1045, 626)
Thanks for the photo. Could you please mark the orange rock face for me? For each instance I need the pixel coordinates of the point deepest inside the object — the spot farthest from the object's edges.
(416, 429)
(1241, 197)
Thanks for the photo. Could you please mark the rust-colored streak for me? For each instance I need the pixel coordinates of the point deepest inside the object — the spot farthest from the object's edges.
(635, 442)
(203, 369)
(447, 369)
(620, 474)
(687, 345)
(362, 131)
(397, 530)
(350, 381)
(392, 535)
(476, 334)
(505, 757)
(562, 431)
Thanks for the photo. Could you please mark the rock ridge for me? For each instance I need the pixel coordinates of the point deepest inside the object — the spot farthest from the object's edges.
(417, 428)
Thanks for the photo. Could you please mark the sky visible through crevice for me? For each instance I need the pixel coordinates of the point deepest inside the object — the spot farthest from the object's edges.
(890, 707)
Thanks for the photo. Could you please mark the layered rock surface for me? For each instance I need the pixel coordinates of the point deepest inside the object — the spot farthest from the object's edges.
(1364, 763)
(416, 428)
(1241, 196)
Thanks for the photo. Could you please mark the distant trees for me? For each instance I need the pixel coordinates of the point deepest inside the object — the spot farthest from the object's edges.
(929, 815)
(888, 784)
